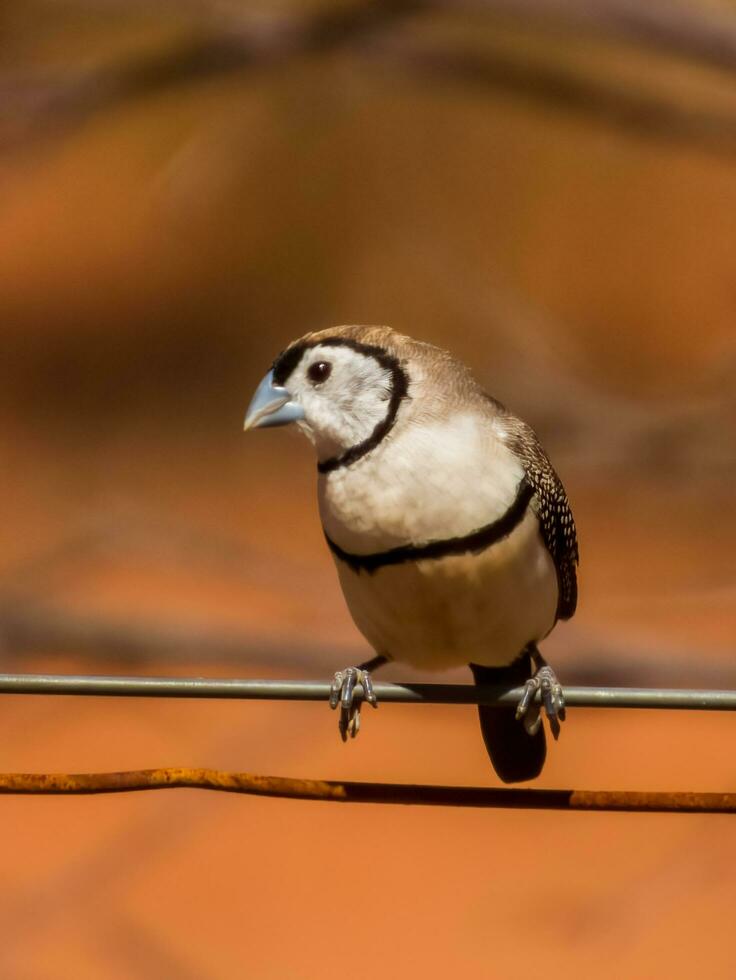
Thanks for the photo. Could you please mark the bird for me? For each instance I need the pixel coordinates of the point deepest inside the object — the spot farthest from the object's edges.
(451, 532)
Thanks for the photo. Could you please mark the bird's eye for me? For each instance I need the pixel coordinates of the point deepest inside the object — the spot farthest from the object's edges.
(319, 371)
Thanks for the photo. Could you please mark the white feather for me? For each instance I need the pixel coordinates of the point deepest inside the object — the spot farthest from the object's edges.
(443, 471)
(430, 480)
(442, 613)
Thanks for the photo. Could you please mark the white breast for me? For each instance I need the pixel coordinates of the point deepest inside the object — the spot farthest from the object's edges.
(437, 479)
(433, 482)
(441, 613)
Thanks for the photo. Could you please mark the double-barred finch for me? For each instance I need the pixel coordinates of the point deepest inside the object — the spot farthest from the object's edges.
(451, 532)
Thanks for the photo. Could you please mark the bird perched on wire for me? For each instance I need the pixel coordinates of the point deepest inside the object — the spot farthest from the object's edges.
(451, 532)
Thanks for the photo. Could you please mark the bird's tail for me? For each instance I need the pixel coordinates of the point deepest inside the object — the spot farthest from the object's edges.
(515, 754)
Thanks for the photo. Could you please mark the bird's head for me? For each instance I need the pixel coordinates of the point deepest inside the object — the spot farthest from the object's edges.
(343, 387)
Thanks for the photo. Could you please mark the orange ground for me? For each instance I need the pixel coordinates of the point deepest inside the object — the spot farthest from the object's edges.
(184, 884)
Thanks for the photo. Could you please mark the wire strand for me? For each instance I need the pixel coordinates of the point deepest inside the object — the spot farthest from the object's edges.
(304, 690)
(358, 792)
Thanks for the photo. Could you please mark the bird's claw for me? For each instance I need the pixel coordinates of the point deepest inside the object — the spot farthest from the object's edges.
(552, 699)
(342, 693)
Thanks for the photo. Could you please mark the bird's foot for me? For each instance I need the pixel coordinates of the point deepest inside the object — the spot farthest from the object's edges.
(552, 700)
(342, 693)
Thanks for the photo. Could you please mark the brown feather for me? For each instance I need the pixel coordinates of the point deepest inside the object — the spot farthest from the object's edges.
(553, 511)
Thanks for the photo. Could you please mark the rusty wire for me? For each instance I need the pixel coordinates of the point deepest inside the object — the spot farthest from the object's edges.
(357, 792)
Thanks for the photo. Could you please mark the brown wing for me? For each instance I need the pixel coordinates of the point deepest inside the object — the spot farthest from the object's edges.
(553, 510)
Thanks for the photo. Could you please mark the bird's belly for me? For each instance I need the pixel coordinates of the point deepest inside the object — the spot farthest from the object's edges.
(475, 608)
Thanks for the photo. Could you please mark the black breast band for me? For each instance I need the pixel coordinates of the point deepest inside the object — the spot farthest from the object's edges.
(472, 543)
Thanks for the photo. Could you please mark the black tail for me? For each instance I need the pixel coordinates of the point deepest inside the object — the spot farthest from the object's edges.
(515, 754)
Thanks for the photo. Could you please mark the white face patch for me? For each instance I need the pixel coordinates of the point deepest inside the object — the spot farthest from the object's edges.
(343, 400)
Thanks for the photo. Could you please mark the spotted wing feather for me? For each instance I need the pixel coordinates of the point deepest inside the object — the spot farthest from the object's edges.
(553, 510)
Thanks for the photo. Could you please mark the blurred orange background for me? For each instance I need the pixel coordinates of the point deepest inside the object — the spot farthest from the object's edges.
(183, 190)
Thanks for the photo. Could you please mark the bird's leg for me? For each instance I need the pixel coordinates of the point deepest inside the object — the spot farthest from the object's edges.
(342, 692)
(545, 681)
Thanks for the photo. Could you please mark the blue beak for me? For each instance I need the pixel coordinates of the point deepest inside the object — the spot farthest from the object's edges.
(271, 405)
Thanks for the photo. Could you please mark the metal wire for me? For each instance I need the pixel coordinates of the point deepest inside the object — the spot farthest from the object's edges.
(351, 792)
(332, 791)
(277, 690)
